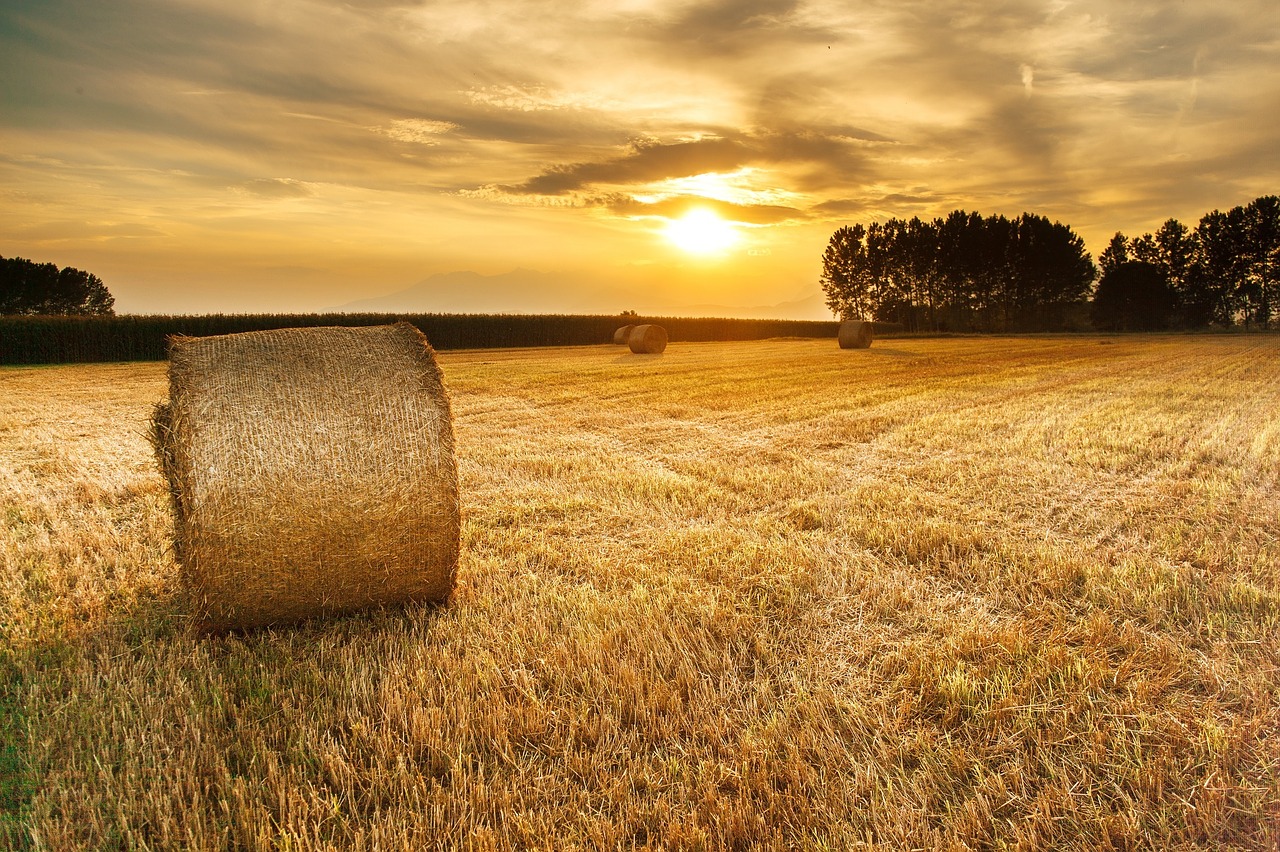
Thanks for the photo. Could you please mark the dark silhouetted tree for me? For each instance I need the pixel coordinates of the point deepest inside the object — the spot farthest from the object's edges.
(42, 288)
(1225, 271)
(910, 253)
(846, 274)
(1176, 249)
(1116, 253)
(1133, 296)
(964, 272)
(1143, 248)
(1051, 270)
(1261, 258)
(973, 269)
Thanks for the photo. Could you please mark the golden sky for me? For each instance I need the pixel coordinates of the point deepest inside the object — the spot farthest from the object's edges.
(295, 155)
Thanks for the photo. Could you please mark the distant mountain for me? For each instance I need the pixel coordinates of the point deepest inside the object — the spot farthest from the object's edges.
(526, 291)
(521, 291)
(807, 308)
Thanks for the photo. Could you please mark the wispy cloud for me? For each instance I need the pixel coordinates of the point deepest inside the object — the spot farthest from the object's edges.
(647, 161)
(676, 206)
(277, 188)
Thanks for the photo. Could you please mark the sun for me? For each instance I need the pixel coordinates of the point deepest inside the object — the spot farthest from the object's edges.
(701, 231)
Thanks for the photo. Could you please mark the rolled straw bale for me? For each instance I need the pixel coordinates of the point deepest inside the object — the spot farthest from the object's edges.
(648, 339)
(855, 334)
(312, 472)
(621, 335)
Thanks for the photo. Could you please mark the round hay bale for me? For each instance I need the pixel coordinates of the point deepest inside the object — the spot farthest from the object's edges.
(648, 339)
(855, 334)
(621, 336)
(312, 472)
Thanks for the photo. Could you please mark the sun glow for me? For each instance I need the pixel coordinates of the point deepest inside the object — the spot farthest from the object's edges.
(701, 231)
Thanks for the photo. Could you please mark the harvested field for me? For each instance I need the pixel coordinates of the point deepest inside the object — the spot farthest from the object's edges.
(960, 593)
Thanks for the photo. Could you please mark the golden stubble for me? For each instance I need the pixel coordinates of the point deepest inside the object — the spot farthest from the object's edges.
(956, 593)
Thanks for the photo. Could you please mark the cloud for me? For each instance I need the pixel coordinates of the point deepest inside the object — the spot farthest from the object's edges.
(820, 155)
(1150, 40)
(647, 161)
(277, 188)
(406, 117)
(740, 27)
(677, 206)
(878, 206)
(423, 131)
(539, 98)
(80, 231)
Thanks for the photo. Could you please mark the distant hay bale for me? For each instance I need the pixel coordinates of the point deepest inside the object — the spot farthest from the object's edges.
(647, 339)
(621, 335)
(855, 334)
(312, 472)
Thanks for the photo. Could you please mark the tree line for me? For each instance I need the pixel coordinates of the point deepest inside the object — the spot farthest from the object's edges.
(64, 339)
(27, 287)
(1225, 272)
(964, 272)
(968, 272)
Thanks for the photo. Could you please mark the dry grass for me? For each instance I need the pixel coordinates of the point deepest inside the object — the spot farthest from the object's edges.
(943, 594)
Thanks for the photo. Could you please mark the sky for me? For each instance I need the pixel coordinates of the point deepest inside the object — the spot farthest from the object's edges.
(682, 155)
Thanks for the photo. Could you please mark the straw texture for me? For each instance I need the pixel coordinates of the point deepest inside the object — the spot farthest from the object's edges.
(647, 339)
(855, 334)
(621, 335)
(312, 472)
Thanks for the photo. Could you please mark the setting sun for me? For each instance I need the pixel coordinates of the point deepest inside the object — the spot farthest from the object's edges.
(701, 232)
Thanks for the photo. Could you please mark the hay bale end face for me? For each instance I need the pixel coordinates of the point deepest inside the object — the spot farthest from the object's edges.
(648, 339)
(855, 334)
(621, 336)
(312, 472)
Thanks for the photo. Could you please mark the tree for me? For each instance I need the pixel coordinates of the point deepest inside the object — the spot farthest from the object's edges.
(1261, 227)
(972, 269)
(1133, 296)
(1116, 253)
(845, 277)
(1051, 272)
(881, 283)
(963, 272)
(1143, 248)
(1219, 267)
(42, 288)
(1175, 248)
(909, 251)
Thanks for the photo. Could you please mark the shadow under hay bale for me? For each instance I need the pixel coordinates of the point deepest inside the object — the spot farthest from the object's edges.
(647, 339)
(312, 472)
(855, 334)
(621, 335)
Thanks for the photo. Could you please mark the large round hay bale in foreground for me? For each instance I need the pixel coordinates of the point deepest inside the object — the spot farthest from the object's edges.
(621, 336)
(855, 334)
(312, 473)
(648, 339)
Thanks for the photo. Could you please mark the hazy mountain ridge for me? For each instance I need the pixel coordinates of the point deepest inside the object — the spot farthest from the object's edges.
(526, 291)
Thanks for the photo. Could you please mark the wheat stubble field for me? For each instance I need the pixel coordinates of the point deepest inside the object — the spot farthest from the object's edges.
(939, 594)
